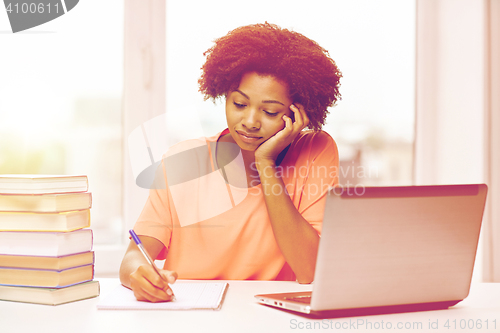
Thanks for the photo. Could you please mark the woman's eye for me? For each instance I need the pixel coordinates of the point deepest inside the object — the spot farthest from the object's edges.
(271, 114)
(238, 105)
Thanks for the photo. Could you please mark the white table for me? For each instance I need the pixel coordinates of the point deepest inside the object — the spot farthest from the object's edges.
(241, 313)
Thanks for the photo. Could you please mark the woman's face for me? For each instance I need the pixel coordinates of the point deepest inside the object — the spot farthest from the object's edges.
(255, 109)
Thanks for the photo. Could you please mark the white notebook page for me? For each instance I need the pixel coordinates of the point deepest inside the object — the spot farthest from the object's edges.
(189, 296)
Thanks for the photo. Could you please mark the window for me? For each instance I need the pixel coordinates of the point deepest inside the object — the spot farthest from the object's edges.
(372, 42)
(60, 105)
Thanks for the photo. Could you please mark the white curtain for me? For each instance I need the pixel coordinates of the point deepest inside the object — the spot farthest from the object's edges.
(458, 125)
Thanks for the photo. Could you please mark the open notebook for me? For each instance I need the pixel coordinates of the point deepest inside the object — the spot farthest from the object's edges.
(189, 296)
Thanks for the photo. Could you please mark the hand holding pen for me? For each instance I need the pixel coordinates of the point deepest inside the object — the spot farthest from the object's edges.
(148, 282)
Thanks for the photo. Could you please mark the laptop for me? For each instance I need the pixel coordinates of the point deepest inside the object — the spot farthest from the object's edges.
(392, 249)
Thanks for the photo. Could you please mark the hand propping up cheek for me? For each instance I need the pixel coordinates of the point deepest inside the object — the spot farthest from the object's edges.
(270, 149)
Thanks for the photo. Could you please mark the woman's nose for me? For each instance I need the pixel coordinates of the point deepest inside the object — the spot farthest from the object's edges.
(251, 120)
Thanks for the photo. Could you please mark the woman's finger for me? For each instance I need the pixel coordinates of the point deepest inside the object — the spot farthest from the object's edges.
(301, 119)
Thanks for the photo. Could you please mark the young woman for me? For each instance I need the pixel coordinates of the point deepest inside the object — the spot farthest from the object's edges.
(248, 202)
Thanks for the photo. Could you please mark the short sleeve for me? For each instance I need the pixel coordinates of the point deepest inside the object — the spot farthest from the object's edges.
(316, 167)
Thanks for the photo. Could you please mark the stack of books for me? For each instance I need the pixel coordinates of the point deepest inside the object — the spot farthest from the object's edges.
(46, 252)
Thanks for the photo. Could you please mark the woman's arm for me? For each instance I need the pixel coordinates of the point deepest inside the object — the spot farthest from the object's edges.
(296, 238)
(137, 274)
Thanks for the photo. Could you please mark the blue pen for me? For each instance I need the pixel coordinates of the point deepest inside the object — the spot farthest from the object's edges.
(145, 254)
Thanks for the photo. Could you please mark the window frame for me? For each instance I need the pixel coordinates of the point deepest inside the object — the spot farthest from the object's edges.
(143, 99)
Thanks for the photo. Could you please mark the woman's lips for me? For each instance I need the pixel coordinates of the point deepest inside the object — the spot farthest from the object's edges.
(247, 138)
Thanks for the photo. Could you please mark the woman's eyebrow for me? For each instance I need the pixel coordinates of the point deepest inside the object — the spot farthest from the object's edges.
(241, 92)
(273, 101)
(265, 101)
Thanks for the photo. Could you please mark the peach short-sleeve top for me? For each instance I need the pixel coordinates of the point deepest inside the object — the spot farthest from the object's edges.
(212, 229)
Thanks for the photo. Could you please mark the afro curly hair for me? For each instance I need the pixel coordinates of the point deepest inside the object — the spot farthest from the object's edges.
(311, 75)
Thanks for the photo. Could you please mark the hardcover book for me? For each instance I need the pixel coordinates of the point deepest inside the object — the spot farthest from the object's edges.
(54, 263)
(45, 203)
(51, 244)
(46, 278)
(45, 249)
(38, 184)
(66, 221)
(50, 296)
